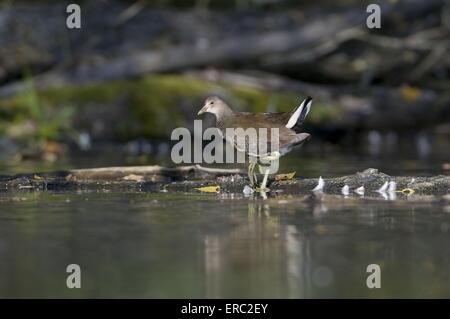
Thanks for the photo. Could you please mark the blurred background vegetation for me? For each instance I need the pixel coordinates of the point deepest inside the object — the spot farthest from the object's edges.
(138, 69)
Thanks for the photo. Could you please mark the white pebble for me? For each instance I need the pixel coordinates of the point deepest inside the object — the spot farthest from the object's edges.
(345, 190)
(392, 196)
(360, 190)
(392, 186)
(383, 188)
(320, 185)
(248, 190)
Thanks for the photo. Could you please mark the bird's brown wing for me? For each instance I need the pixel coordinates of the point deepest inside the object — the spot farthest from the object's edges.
(264, 120)
(259, 120)
(284, 119)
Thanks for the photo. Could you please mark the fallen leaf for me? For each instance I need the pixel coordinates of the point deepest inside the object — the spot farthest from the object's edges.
(209, 189)
(134, 177)
(410, 93)
(285, 177)
(37, 177)
(407, 191)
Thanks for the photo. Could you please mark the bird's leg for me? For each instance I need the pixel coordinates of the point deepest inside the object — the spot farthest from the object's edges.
(263, 194)
(251, 168)
(264, 182)
(264, 169)
(271, 157)
(255, 177)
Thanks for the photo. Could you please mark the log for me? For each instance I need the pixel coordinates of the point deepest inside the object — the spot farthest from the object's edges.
(188, 179)
(227, 50)
(114, 173)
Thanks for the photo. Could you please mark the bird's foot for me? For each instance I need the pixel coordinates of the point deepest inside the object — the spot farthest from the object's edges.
(258, 188)
(262, 190)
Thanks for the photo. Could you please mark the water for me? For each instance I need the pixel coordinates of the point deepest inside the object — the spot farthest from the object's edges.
(311, 160)
(160, 245)
(180, 245)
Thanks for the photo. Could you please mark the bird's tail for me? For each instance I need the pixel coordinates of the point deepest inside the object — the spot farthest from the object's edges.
(300, 113)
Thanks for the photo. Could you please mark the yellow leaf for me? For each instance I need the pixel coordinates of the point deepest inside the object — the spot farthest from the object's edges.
(36, 177)
(209, 189)
(284, 177)
(410, 93)
(407, 191)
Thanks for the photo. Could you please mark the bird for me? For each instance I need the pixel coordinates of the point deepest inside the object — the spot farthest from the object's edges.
(289, 125)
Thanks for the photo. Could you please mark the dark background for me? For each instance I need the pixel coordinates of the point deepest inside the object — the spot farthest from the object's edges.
(138, 69)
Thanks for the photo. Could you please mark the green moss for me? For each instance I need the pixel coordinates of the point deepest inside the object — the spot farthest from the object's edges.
(157, 104)
(99, 93)
(28, 108)
(149, 107)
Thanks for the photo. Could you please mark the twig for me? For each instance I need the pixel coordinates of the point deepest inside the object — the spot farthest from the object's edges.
(130, 12)
(431, 60)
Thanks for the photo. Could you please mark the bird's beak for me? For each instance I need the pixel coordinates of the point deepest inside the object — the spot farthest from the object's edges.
(203, 110)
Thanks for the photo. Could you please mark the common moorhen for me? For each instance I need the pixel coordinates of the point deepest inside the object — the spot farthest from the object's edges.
(287, 123)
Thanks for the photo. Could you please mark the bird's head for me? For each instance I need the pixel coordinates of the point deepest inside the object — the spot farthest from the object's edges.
(214, 105)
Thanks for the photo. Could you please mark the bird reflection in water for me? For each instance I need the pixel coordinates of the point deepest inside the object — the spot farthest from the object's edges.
(267, 242)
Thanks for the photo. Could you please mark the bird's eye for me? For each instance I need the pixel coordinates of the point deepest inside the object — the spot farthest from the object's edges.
(211, 103)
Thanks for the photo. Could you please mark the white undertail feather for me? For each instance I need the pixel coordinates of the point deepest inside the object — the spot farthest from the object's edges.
(294, 118)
